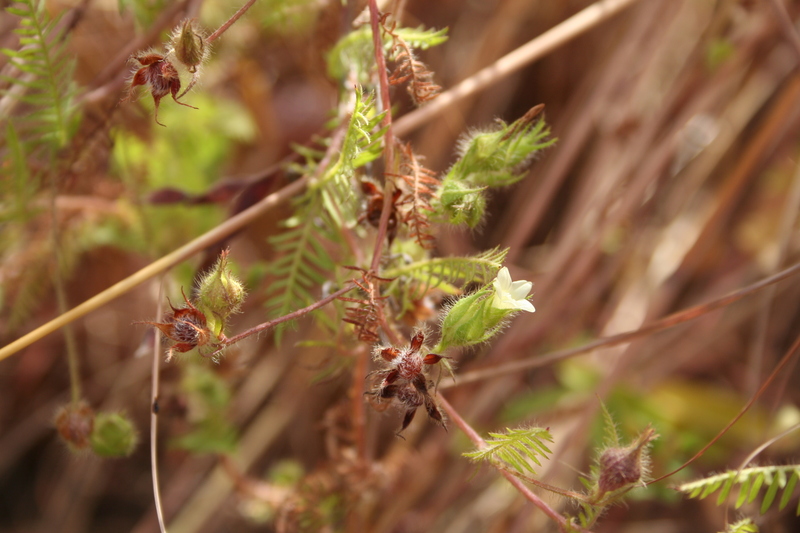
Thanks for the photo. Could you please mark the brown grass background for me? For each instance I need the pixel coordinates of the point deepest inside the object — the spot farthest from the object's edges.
(674, 181)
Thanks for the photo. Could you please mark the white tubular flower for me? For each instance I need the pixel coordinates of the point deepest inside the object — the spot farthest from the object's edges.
(511, 294)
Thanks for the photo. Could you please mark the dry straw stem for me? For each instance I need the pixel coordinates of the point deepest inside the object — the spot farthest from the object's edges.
(505, 66)
(778, 369)
(787, 26)
(548, 41)
(155, 268)
(154, 380)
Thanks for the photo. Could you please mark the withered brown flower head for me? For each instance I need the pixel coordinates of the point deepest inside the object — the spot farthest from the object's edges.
(160, 75)
(186, 326)
(404, 380)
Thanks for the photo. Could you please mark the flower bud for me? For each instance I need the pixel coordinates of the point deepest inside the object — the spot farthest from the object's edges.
(622, 468)
(479, 316)
(189, 45)
(220, 294)
(113, 435)
(471, 320)
(74, 423)
(461, 204)
(502, 156)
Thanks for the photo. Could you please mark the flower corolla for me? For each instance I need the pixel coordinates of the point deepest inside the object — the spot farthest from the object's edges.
(511, 294)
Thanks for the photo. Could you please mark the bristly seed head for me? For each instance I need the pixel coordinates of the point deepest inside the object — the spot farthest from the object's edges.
(404, 380)
(186, 326)
(75, 423)
(160, 75)
(622, 468)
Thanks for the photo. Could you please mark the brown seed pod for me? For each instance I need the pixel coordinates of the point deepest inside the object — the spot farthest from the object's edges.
(75, 423)
(186, 326)
(160, 75)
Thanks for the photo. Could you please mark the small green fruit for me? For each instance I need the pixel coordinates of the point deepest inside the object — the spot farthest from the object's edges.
(113, 435)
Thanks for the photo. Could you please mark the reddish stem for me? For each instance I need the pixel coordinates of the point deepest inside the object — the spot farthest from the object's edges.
(359, 408)
(786, 358)
(388, 138)
(478, 441)
(222, 29)
(285, 318)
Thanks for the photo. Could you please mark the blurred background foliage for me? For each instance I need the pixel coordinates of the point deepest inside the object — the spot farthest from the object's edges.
(674, 181)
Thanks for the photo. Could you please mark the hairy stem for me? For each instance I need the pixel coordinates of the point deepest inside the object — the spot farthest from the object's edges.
(222, 29)
(514, 61)
(61, 298)
(478, 441)
(285, 318)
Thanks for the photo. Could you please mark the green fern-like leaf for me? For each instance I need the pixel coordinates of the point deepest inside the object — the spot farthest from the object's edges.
(354, 52)
(16, 192)
(304, 259)
(361, 144)
(328, 206)
(422, 38)
(610, 427)
(750, 481)
(448, 272)
(516, 447)
(43, 81)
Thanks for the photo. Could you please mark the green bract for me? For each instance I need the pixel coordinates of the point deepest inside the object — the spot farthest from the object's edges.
(113, 435)
(461, 204)
(477, 317)
(490, 158)
(219, 295)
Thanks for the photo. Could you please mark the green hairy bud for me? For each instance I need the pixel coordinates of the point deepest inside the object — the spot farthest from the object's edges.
(220, 294)
(189, 45)
(502, 157)
(113, 435)
(461, 204)
(471, 320)
(478, 317)
(493, 158)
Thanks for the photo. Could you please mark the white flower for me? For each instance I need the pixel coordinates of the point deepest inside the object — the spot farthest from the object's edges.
(511, 294)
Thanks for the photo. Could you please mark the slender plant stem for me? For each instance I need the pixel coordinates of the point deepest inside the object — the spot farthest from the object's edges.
(785, 235)
(73, 362)
(478, 441)
(154, 380)
(606, 342)
(285, 318)
(222, 29)
(388, 138)
(786, 24)
(778, 368)
(358, 410)
(542, 485)
(155, 268)
(513, 61)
